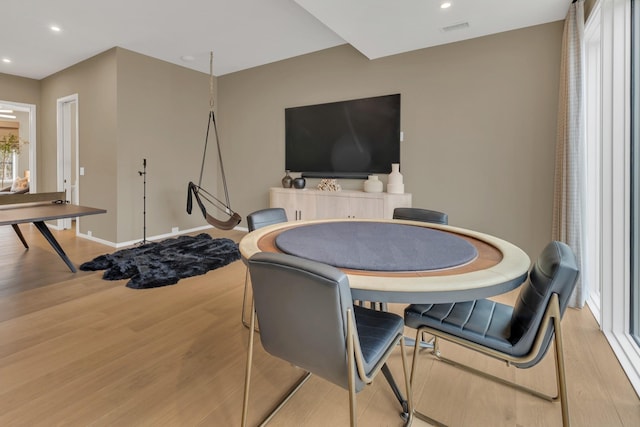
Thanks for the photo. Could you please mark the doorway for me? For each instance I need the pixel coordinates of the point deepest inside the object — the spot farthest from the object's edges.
(30, 135)
(67, 176)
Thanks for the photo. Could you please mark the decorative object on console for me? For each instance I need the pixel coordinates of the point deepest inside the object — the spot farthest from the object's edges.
(329, 184)
(287, 181)
(299, 182)
(395, 184)
(373, 185)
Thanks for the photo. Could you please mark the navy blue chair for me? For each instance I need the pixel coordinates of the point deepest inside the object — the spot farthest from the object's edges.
(418, 214)
(519, 335)
(307, 318)
(255, 220)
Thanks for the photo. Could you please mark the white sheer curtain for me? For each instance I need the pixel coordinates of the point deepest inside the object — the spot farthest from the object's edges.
(569, 182)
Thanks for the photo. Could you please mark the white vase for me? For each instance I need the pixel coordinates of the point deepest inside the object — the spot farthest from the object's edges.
(373, 184)
(395, 183)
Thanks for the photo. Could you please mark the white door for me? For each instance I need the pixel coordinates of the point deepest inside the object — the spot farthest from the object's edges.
(67, 113)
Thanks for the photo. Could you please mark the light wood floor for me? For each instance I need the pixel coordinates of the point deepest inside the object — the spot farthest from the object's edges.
(79, 351)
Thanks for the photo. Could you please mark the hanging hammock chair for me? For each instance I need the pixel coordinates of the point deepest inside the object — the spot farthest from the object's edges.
(199, 193)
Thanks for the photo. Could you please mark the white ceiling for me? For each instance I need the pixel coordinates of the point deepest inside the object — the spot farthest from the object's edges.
(245, 33)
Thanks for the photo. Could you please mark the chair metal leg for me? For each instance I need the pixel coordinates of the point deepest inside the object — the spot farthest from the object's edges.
(414, 362)
(247, 379)
(559, 361)
(497, 379)
(428, 342)
(244, 298)
(561, 382)
(245, 323)
(560, 378)
(293, 390)
(427, 419)
(351, 370)
(560, 373)
(247, 374)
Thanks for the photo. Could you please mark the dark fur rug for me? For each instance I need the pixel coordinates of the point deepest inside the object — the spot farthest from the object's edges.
(164, 263)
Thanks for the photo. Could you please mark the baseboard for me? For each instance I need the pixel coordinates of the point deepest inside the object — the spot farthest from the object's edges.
(149, 239)
(96, 239)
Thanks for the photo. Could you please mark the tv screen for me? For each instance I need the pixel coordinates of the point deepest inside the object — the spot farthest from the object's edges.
(346, 139)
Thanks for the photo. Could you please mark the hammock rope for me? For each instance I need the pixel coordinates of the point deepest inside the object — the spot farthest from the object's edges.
(200, 193)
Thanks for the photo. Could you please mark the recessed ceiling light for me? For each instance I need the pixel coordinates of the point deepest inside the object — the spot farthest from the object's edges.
(187, 58)
(445, 5)
(55, 28)
(6, 60)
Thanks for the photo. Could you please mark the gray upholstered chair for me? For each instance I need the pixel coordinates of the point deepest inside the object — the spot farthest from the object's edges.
(255, 220)
(518, 335)
(307, 318)
(418, 214)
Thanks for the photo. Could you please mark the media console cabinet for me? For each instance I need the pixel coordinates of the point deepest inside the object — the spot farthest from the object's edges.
(316, 204)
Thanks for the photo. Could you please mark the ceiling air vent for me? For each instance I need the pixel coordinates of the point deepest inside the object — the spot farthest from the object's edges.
(455, 27)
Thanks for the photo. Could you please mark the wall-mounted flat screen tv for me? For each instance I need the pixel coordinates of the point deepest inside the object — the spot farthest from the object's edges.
(346, 139)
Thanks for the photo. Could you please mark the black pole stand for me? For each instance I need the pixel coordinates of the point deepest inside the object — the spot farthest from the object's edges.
(143, 174)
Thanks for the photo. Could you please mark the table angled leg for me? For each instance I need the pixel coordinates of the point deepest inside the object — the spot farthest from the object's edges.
(394, 387)
(42, 227)
(20, 236)
(411, 342)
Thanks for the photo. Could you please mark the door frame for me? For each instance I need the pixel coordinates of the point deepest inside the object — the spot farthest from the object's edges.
(64, 150)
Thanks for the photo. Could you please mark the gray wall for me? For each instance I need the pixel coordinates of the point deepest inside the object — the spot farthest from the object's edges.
(94, 80)
(479, 120)
(19, 89)
(131, 107)
(162, 116)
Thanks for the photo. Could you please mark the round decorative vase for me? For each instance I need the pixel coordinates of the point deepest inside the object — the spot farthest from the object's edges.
(299, 183)
(287, 181)
(395, 183)
(373, 184)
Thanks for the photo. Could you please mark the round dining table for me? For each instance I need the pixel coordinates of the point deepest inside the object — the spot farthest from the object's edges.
(446, 263)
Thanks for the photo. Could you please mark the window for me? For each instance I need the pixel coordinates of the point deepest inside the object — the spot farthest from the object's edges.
(6, 170)
(634, 318)
(617, 228)
(593, 139)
